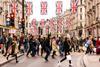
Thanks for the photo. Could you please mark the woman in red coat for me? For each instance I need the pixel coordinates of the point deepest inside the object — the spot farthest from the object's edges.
(98, 45)
(98, 42)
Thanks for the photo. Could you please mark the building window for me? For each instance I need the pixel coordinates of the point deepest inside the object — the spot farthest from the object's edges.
(80, 9)
(81, 2)
(80, 17)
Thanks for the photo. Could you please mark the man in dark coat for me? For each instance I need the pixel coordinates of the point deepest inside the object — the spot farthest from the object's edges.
(42, 42)
(47, 48)
(32, 47)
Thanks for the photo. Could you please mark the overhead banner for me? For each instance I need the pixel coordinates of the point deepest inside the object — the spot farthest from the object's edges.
(42, 23)
(14, 8)
(33, 23)
(29, 8)
(59, 7)
(44, 8)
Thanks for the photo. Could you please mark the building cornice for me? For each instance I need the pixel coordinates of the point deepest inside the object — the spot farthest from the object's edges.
(81, 5)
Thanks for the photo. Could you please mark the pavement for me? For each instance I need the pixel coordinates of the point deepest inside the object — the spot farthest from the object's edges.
(91, 60)
(4, 61)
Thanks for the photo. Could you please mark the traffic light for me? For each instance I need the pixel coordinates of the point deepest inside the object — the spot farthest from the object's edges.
(12, 18)
(7, 20)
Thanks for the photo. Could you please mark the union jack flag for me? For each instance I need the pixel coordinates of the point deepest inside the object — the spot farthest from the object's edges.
(68, 22)
(51, 23)
(35, 30)
(33, 23)
(59, 7)
(42, 23)
(43, 8)
(47, 29)
(59, 21)
(74, 4)
(29, 10)
(14, 8)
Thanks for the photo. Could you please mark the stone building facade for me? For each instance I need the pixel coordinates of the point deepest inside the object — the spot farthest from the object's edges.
(92, 26)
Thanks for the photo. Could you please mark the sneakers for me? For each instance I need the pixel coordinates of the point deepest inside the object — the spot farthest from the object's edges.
(7, 58)
(70, 65)
(46, 59)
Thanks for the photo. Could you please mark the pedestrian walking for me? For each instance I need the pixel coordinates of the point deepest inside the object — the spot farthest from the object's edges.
(89, 45)
(67, 56)
(21, 43)
(54, 47)
(2, 44)
(47, 48)
(13, 49)
(98, 45)
(42, 42)
(32, 46)
(9, 42)
(60, 44)
(26, 43)
(37, 45)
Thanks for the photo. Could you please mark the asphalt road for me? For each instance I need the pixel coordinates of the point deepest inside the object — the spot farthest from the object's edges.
(39, 61)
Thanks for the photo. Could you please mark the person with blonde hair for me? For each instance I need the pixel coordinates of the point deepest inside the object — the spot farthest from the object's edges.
(54, 47)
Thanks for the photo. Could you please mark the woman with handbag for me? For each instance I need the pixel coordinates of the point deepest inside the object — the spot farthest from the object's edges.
(13, 49)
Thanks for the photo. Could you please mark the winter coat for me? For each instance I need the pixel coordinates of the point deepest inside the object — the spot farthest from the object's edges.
(66, 46)
(54, 45)
(97, 43)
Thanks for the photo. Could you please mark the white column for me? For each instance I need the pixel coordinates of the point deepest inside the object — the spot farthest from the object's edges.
(99, 11)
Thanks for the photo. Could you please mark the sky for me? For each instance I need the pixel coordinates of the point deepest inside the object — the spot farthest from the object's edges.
(51, 9)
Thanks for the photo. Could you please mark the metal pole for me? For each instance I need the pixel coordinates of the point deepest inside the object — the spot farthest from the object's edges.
(23, 20)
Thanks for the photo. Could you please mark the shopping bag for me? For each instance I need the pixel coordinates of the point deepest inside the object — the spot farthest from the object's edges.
(69, 57)
(94, 49)
(86, 45)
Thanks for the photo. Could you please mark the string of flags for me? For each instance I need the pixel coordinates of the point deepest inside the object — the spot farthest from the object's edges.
(43, 10)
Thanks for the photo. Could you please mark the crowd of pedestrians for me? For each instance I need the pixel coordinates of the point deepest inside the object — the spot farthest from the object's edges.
(48, 45)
